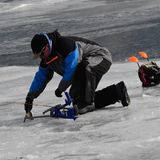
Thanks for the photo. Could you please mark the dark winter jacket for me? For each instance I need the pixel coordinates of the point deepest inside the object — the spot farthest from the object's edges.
(67, 53)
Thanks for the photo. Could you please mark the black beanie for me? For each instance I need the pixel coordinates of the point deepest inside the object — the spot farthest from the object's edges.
(38, 42)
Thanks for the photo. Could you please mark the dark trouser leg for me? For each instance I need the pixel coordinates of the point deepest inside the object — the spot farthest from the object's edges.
(106, 96)
(89, 86)
(86, 81)
(77, 90)
(96, 74)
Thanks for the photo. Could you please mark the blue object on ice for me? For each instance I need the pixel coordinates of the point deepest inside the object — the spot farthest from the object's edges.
(67, 113)
(64, 111)
(68, 100)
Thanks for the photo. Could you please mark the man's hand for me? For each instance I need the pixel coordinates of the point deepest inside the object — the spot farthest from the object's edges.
(58, 93)
(28, 104)
(28, 116)
(28, 107)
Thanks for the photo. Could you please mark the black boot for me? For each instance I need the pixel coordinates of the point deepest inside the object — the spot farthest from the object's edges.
(122, 94)
(106, 96)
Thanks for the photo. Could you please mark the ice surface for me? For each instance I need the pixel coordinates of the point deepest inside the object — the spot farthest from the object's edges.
(112, 133)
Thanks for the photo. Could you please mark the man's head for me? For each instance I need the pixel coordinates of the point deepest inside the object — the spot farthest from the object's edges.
(41, 45)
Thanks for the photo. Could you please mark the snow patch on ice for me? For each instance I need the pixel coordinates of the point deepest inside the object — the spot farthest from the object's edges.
(32, 157)
(154, 139)
(21, 6)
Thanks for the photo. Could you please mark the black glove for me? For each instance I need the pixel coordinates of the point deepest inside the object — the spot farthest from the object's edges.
(28, 104)
(58, 93)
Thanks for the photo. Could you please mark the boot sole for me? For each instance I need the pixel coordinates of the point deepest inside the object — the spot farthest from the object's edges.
(127, 101)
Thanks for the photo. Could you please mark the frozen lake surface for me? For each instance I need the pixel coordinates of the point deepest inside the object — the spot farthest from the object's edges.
(112, 133)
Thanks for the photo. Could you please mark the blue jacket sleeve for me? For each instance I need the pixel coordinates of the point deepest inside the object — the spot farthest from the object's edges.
(42, 77)
(70, 66)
